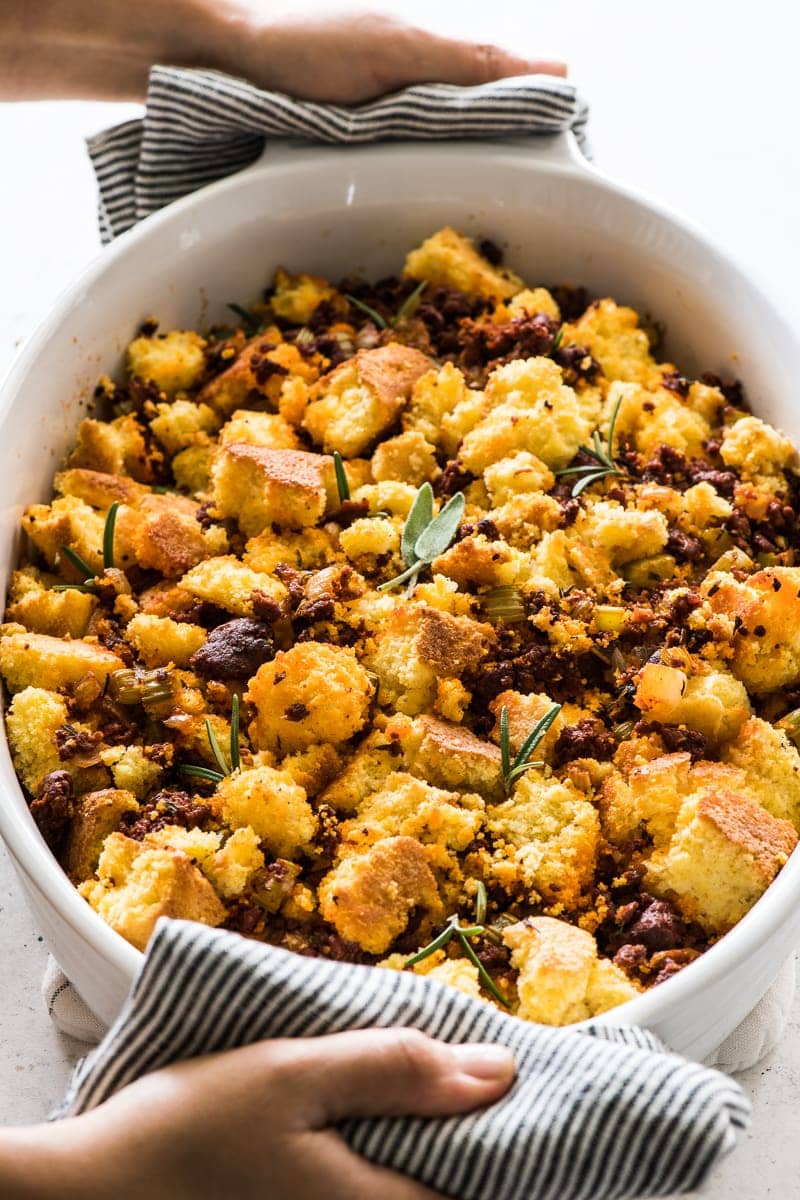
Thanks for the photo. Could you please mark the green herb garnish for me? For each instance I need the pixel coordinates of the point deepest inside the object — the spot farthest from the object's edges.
(558, 339)
(411, 303)
(252, 324)
(80, 563)
(367, 310)
(512, 769)
(207, 773)
(424, 536)
(603, 463)
(342, 486)
(462, 934)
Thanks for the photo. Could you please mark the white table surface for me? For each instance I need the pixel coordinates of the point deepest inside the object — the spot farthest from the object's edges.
(692, 102)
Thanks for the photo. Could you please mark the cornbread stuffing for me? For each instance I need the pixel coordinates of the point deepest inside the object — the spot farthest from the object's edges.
(436, 624)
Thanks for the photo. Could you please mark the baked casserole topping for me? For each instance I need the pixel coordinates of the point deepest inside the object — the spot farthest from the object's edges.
(434, 624)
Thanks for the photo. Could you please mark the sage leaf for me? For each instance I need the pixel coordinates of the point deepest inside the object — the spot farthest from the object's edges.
(438, 535)
(419, 518)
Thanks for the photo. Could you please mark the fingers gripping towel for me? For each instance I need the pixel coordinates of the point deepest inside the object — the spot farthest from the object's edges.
(601, 1114)
(200, 126)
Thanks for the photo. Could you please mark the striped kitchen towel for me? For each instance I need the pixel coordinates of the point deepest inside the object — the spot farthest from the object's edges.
(596, 1115)
(200, 126)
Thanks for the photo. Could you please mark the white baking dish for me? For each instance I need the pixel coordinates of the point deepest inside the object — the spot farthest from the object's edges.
(358, 210)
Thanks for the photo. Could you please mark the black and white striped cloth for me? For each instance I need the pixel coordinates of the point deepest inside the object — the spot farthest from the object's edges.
(200, 126)
(602, 1116)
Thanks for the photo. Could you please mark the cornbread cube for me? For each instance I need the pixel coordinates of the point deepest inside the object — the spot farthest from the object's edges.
(179, 423)
(161, 641)
(520, 473)
(611, 334)
(475, 562)
(414, 647)
(70, 522)
(115, 447)
(715, 704)
(434, 395)
(313, 769)
(308, 549)
(765, 609)
(362, 398)
(365, 773)
(546, 836)
(40, 609)
(228, 583)
(192, 466)
(229, 867)
(96, 815)
(36, 659)
(259, 372)
(136, 885)
(725, 852)
(649, 418)
(260, 487)
(450, 756)
(32, 719)
(408, 807)
(755, 448)
(555, 962)
(649, 799)
(458, 973)
(527, 406)
(312, 693)
(609, 987)
(622, 535)
(162, 534)
(530, 301)
(369, 897)
(771, 766)
(173, 361)
(408, 457)
(389, 495)
(131, 769)
(98, 488)
(448, 259)
(272, 805)
(259, 429)
(369, 538)
(295, 297)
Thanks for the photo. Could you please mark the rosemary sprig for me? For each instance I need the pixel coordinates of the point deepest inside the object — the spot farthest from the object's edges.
(252, 324)
(342, 486)
(603, 464)
(80, 563)
(406, 309)
(207, 773)
(424, 536)
(558, 339)
(367, 310)
(108, 536)
(512, 769)
(463, 934)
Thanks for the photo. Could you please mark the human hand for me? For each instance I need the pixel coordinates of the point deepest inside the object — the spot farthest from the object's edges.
(256, 1122)
(349, 58)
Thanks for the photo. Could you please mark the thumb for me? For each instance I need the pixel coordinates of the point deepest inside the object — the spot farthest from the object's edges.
(396, 1072)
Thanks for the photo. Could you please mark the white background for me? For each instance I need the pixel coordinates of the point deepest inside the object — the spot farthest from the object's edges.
(694, 103)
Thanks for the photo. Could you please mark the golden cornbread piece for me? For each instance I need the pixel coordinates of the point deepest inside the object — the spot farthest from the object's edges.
(97, 814)
(173, 361)
(455, 972)
(434, 395)
(312, 693)
(163, 534)
(295, 297)
(99, 488)
(117, 447)
(161, 641)
(546, 836)
(361, 399)
(649, 799)
(725, 852)
(32, 719)
(259, 429)
(519, 474)
(476, 562)
(68, 521)
(412, 808)
(621, 534)
(561, 979)
(715, 704)
(229, 867)
(650, 418)
(35, 659)
(448, 259)
(611, 334)
(258, 373)
(42, 610)
(415, 647)
(259, 487)
(369, 897)
(270, 803)
(131, 769)
(230, 584)
(408, 457)
(756, 448)
(309, 549)
(179, 424)
(771, 766)
(136, 885)
(450, 756)
(372, 763)
(527, 406)
(765, 609)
